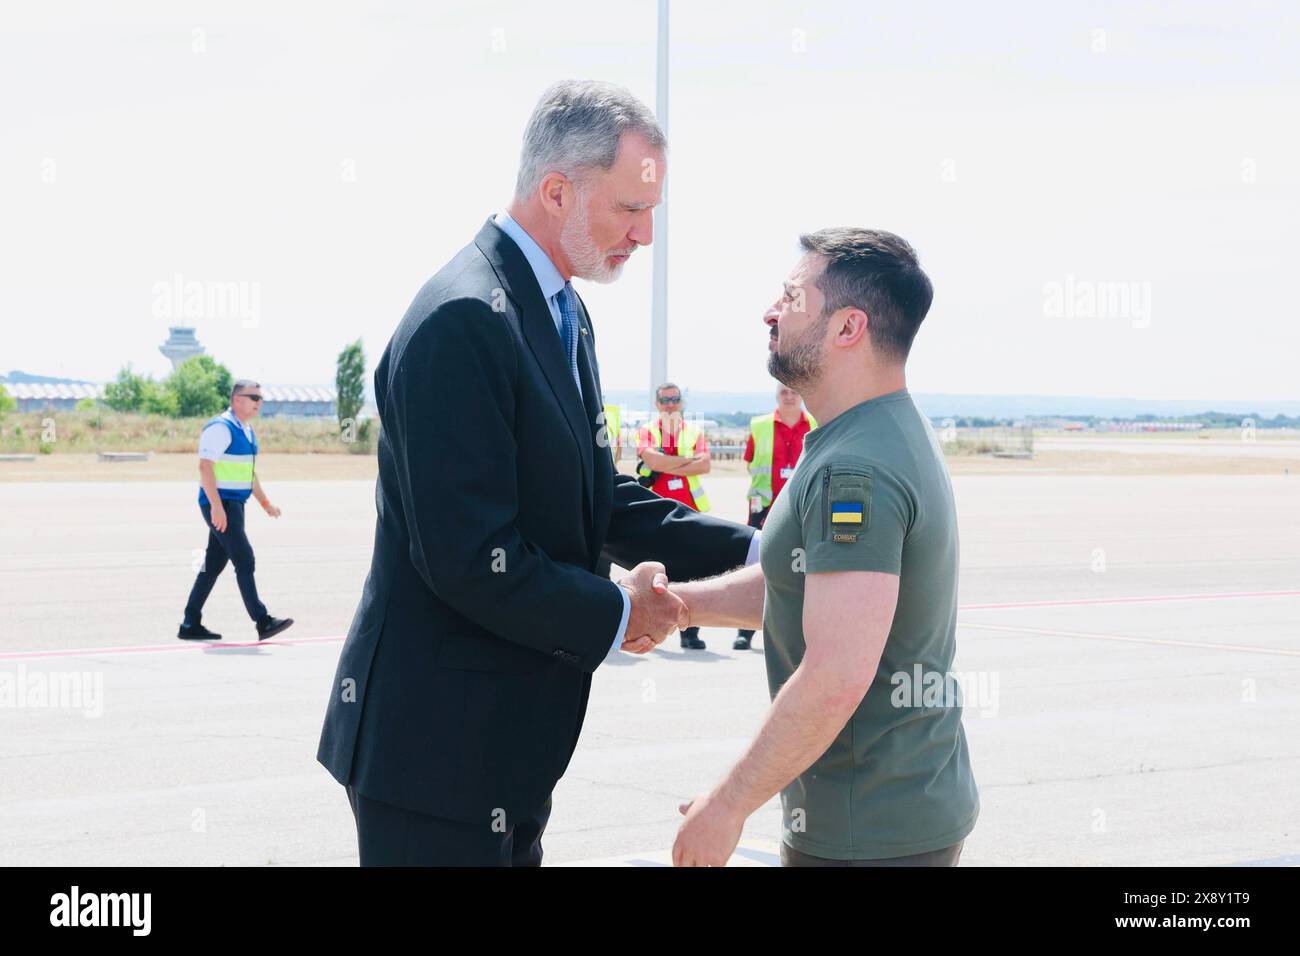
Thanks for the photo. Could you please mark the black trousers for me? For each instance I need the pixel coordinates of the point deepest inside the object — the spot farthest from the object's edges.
(225, 547)
(948, 856)
(756, 520)
(391, 836)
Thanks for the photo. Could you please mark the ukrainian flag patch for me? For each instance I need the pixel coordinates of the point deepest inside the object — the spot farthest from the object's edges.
(846, 512)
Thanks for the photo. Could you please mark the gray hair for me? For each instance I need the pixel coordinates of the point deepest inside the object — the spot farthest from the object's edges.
(241, 385)
(577, 125)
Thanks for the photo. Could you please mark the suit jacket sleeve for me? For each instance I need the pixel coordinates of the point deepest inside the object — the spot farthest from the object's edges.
(450, 418)
(646, 527)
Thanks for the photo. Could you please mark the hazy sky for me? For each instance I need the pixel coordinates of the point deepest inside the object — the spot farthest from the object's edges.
(1050, 162)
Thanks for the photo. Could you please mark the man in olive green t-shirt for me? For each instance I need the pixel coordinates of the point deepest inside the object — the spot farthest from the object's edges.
(856, 590)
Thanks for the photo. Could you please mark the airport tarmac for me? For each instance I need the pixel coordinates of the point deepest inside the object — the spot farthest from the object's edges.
(1129, 645)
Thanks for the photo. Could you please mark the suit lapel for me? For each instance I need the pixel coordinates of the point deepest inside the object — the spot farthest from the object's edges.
(594, 400)
(587, 370)
(538, 327)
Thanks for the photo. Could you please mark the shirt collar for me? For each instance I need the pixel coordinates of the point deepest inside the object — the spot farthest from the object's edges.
(230, 414)
(548, 277)
(803, 417)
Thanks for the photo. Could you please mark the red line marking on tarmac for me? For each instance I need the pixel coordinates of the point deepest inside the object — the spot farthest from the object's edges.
(1164, 642)
(1146, 599)
(164, 648)
(218, 645)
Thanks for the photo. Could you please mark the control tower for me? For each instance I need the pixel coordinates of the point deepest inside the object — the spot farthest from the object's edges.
(180, 345)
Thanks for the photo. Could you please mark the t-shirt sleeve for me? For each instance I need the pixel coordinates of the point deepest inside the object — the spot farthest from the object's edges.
(214, 441)
(749, 448)
(855, 516)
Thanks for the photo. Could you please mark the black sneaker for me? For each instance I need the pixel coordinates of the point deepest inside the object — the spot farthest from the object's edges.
(196, 632)
(272, 626)
(692, 643)
(741, 643)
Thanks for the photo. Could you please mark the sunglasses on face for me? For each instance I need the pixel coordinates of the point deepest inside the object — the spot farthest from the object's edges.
(670, 399)
(251, 398)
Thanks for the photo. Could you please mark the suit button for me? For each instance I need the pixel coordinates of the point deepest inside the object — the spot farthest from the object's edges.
(558, 653)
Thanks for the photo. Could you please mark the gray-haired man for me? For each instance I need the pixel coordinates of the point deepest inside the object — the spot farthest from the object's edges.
(461, 689)
(227, 455)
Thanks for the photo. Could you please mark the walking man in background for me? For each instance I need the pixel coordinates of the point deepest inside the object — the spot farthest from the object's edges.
(775, 444)
(673, 454)
(227, 455)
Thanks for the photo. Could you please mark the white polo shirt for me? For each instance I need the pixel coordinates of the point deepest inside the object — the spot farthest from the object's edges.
(216, 437)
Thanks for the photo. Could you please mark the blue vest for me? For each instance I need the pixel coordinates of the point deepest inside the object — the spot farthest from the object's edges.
(234, 469)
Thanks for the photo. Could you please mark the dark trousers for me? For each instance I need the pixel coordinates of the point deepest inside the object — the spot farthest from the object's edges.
(948, 856)
(391, 836)
(756, 520)
(229, 546)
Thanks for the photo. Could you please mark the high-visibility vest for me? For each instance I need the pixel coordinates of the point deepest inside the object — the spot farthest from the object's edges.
(763, 429)
(686, 439)
(234, 469)
(613, 418)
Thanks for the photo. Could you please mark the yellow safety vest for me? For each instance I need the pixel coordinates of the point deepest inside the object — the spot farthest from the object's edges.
(613, 419)
(763, 429)
(686, 439)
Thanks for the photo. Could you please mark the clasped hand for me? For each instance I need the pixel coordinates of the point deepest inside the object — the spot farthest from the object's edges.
(656, 611)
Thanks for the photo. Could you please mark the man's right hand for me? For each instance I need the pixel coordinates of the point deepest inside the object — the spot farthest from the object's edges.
(219, 518)
(656, 612)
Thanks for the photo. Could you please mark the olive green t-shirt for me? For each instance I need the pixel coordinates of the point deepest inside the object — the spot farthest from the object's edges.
(871, 493)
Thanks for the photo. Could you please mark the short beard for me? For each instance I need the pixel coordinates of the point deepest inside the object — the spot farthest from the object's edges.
(800, 365)
(586, 259)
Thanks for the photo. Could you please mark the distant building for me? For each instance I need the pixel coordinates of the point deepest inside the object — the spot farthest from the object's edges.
(297, 401)
(1117, 426)
(40, 397)
(280, 401)
(181, 345)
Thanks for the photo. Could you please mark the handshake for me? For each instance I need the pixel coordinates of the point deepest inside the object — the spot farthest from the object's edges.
(656, 611)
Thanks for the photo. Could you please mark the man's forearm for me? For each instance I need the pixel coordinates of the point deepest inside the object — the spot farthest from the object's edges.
(258, 493)
(734, 599)
(809, 712)
(658, 461)
(208, 479)
(692, 466)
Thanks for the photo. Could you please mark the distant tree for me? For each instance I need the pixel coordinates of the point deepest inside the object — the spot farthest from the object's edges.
(199, 388)
(127, 394)
(350, 382)
(158, 400)
(7, 402)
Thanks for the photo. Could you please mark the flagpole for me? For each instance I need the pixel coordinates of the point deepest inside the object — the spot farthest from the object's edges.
(659, 291)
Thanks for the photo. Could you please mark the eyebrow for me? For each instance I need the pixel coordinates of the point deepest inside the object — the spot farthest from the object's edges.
(634, 206)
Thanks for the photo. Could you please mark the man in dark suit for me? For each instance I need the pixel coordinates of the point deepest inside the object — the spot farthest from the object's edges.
(463, 683)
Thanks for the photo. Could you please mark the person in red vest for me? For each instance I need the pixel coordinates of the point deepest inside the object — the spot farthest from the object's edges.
(674, 453)
(775, 444)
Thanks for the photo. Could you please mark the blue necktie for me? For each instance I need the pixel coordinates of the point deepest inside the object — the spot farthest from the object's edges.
(569, 329)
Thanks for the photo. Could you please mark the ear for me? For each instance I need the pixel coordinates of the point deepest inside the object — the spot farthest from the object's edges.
(557, 193)
(850, 325)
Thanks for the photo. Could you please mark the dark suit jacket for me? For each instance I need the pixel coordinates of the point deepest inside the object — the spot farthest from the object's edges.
(463, 682)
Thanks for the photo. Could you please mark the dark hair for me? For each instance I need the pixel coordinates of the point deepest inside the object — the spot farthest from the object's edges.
(877, 272)
(242, 385)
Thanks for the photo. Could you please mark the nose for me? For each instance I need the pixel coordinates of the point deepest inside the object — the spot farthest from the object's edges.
(771, 315)
(642, 231)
